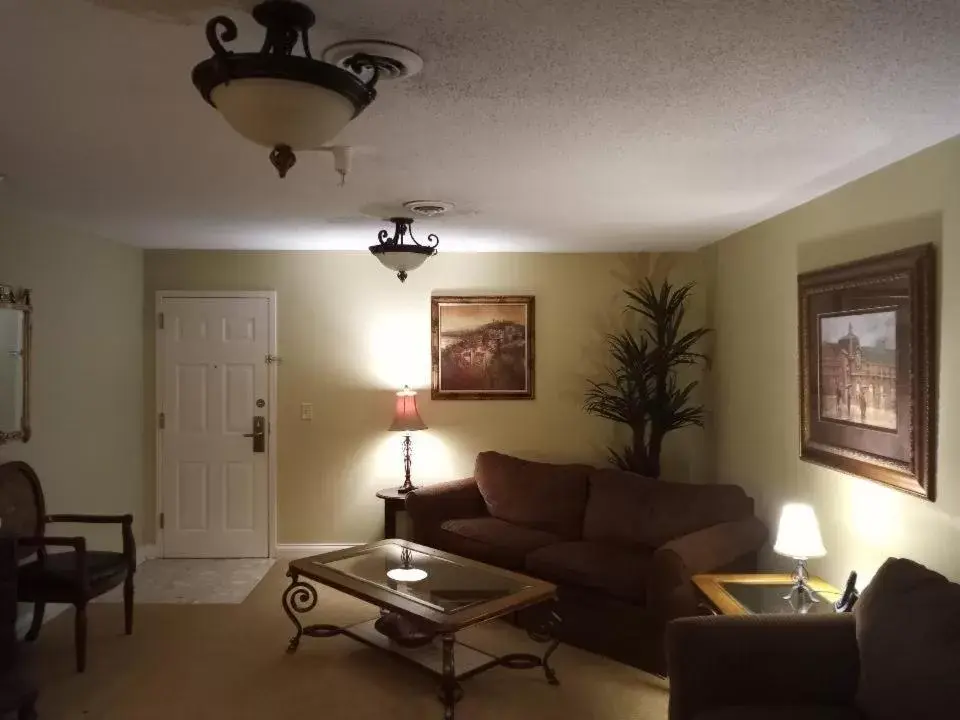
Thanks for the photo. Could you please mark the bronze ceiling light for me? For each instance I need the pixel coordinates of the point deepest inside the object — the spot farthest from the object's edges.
(402, 252)
(290, 102)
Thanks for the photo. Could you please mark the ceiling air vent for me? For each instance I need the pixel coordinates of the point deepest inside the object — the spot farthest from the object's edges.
(428, 208)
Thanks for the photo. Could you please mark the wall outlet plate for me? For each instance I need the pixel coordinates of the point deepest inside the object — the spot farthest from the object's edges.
(306, 411)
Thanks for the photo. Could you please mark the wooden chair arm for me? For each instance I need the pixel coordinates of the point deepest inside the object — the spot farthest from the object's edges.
(95, 519)
(77, 543)
(126, 521)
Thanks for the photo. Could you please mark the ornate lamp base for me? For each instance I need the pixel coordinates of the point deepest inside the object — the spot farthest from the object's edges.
(407, 486)
(800, 587)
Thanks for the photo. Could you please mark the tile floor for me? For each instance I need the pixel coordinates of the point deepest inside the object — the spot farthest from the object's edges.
(192, 582)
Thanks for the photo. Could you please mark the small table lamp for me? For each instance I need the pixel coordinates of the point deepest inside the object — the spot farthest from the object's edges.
(406, 419)
(799, 537)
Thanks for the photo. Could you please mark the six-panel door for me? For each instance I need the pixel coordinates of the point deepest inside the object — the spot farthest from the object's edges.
(214, 487)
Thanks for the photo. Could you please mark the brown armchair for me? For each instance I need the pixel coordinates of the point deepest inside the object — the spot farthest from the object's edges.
(755, 667)
(74, 576)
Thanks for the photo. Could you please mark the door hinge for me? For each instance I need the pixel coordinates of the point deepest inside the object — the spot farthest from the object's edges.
(160, 321)
(162, 518)
(161, 421)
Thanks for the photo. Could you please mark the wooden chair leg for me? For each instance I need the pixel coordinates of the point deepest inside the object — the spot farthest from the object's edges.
(128, 604)
(28, 711)
(80, 637)
(34, 631)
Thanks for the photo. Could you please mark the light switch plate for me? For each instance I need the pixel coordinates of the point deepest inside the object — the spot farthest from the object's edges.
(306, 411)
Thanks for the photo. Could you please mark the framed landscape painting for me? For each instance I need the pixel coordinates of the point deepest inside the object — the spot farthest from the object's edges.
(482, 347)
(867, 349)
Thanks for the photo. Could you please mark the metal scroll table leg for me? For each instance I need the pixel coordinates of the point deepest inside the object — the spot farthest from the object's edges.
(450, 690)
(547, 670)
(544, 631)
(299, 598)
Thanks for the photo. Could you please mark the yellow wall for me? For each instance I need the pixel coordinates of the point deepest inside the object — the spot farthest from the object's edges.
(350, 335)
(86, 385)
(756, 375)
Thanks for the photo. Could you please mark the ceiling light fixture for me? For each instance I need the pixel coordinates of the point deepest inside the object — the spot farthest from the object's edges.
(398, 255)
(290, 102)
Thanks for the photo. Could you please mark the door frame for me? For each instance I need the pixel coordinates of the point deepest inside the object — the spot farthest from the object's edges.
(271, 297)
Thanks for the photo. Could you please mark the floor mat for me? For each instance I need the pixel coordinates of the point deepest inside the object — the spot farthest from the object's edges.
(193, 582)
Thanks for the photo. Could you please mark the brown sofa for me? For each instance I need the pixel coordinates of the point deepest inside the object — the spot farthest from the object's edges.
(622, 548)
(897, 656)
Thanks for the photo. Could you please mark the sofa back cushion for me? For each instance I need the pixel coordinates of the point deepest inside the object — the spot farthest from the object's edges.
(537, 495)
(629, 508)
(908, 633)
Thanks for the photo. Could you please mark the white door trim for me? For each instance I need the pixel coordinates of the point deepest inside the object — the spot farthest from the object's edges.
(271, 297)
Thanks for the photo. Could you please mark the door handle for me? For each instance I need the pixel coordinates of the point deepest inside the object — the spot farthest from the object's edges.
(259, 434)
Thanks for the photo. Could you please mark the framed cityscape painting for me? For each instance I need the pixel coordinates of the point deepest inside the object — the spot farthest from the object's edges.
(482, 347)
(867, 368)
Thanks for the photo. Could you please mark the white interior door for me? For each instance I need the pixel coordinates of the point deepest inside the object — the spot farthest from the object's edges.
(214, 380)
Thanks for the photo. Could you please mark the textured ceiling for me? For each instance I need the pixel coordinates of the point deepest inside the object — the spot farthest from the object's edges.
(562, 125)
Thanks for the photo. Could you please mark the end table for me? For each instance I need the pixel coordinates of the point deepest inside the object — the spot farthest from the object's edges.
(761, 594)
(393, 500)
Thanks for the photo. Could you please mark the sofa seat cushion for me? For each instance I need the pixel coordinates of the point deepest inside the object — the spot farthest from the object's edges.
(908, 634)
(620, 570)
(493, 541)
(781, 712)
(537, 495)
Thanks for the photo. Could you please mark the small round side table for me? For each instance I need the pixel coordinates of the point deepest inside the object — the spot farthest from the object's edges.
(392, 502)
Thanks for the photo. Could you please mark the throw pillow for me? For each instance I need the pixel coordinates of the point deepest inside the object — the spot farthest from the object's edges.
(537, 495)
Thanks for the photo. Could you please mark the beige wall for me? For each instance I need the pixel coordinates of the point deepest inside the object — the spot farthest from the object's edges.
(757, 420)
(86, 388)
(350, 335)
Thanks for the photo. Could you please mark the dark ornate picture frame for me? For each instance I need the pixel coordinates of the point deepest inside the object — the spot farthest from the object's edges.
(493, 356)
(868, 368)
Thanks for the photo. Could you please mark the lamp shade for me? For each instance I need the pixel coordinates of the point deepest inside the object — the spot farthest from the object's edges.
(405, 415)
(402, 258)
(276, 111)
(798, 535)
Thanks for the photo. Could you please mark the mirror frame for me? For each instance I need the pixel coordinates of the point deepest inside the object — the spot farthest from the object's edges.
(12, 298)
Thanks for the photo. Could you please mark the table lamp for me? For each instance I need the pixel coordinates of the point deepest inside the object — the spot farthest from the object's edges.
(406, 419)
(798, 537)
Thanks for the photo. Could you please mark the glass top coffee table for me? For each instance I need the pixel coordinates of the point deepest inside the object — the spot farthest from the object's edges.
(425, 597)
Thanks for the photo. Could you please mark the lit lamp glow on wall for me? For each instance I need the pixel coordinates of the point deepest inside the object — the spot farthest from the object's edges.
(799, 537)
(406, 419)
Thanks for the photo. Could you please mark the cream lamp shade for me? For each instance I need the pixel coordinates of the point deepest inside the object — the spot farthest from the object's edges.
(798, 535)
(275, 111)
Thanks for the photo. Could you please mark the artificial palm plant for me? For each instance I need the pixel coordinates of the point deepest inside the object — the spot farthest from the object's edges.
(643, 390)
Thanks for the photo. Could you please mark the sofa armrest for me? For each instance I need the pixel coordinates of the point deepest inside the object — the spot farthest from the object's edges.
(671, 588)
(432, 505)
(775, 660)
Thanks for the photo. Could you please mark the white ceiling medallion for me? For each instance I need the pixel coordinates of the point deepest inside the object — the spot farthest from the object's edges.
(395, 62)
(290, 102)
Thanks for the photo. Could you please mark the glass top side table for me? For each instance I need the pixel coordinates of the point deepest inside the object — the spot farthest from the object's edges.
(763, 594)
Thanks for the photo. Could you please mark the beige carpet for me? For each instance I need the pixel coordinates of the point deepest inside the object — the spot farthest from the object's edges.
(227, 662)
